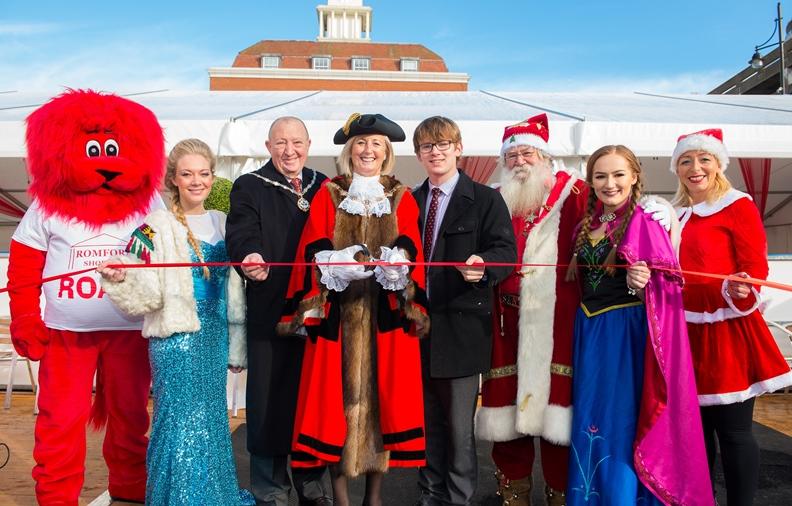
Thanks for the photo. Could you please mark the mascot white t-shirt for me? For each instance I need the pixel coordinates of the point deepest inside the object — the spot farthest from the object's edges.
(78, 302)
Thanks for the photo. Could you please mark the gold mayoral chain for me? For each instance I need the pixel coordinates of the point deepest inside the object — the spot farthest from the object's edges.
(302, 203)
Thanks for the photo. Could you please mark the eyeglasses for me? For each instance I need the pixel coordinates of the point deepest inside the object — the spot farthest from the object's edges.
(441, 146)
(525, 154)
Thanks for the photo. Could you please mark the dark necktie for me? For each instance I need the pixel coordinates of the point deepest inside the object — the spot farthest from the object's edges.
(296, 184)
(429, 228)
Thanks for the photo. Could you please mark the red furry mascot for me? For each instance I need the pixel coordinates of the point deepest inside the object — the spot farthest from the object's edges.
(96, 162)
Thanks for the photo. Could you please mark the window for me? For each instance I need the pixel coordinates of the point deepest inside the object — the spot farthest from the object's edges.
(270, 62)
(320, 63)
(360, 63)
(409, 65)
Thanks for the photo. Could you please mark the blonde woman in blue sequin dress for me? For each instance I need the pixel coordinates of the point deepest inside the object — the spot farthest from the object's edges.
(189, 314)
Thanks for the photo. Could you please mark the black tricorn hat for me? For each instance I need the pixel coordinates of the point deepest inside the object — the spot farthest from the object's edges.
(368, 124)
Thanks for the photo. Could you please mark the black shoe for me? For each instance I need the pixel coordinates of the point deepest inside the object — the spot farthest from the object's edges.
(426, 500)
(322, 501)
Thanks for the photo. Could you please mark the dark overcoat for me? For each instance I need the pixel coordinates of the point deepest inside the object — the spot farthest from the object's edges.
(476, 221)
(265, 219)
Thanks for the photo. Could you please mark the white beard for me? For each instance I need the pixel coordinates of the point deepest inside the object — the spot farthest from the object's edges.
(525, 187)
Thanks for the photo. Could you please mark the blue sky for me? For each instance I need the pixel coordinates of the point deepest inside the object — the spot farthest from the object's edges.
(539, 45)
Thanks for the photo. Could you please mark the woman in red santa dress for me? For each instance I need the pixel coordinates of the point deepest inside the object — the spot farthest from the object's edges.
(734, 355)
(360, 406)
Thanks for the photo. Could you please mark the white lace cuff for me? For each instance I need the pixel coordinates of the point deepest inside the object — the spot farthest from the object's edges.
(392, 277)
(329, 279)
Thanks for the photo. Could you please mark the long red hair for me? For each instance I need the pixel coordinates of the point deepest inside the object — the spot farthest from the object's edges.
(584, 233)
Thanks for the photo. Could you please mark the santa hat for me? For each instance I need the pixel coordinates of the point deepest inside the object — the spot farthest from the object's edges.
(709, 140)
(531, 132)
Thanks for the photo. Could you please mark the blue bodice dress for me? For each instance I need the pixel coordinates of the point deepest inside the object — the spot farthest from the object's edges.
(608, 365)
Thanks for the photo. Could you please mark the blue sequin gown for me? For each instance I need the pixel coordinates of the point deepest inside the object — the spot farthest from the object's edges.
(189, 459)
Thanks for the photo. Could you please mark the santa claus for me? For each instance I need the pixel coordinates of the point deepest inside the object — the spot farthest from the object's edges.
(96, 162)
(527, 392)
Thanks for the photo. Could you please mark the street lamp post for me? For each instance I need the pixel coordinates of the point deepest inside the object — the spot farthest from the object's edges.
(757, 62)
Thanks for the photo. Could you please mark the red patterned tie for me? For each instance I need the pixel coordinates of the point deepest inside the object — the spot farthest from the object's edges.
(296, 184)
(429, 228)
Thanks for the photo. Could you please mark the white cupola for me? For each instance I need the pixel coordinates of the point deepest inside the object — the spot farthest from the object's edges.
(344, 21)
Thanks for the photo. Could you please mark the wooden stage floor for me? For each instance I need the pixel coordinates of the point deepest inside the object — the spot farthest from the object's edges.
(16, 430)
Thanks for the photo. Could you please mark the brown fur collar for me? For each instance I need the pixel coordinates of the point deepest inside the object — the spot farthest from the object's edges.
(389, 183)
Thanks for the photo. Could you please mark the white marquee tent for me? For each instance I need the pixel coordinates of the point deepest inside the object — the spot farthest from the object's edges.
(236, 124)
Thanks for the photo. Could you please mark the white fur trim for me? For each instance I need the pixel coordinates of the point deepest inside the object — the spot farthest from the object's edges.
(558, 424)
(236, 308)
(524, 140)
(496, 424)
(759, 388)
(730, 302)
(536, 321)
(719, 315)
(700, 142)
(705, 209)
(237, 345)
(724, 313)
(178, 312)
(139, 293)
(729, 198)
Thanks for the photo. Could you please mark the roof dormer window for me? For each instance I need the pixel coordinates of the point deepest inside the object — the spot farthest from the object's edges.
(409, 64)
(361, 63)
(320, 63)
(270, 61)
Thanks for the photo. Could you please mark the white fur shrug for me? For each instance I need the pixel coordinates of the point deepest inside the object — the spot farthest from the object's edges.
(165, 296)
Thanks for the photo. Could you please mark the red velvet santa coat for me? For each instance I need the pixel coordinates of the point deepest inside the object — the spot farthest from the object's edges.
(360, 400)
(529, 387)
(734, 354)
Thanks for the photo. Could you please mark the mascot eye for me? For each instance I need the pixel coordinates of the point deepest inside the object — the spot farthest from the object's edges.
(111, 147)
(93, 148)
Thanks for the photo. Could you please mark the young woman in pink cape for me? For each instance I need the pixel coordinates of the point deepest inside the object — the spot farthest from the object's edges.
(636, 427)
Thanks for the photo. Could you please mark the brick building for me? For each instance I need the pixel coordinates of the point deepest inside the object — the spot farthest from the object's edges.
(343, 57)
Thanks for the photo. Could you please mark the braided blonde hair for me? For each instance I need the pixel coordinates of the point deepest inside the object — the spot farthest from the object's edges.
(584, 234)
(181, 149)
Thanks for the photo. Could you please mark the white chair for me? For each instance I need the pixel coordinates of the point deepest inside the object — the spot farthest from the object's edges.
(9, 354)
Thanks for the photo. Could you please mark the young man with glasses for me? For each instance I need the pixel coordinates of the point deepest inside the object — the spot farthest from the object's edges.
(460, 221)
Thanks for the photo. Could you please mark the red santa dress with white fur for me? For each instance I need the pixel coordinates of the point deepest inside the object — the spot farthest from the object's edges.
(734, 354)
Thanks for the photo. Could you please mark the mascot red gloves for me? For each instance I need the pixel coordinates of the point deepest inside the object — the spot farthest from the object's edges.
(96, 162)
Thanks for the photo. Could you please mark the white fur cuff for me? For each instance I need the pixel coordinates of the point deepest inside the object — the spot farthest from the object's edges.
(558, 424)
(496, 424)
(237, 345)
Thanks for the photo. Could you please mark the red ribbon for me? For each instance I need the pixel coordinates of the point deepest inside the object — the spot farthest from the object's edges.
(730, 277)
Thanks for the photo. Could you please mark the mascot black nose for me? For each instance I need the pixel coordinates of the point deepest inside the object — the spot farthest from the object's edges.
(109, 175)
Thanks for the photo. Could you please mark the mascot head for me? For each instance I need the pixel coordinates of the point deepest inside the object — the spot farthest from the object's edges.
(96, 158)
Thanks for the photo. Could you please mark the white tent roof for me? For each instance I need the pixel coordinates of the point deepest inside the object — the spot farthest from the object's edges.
(236, 125)
(754, 125)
